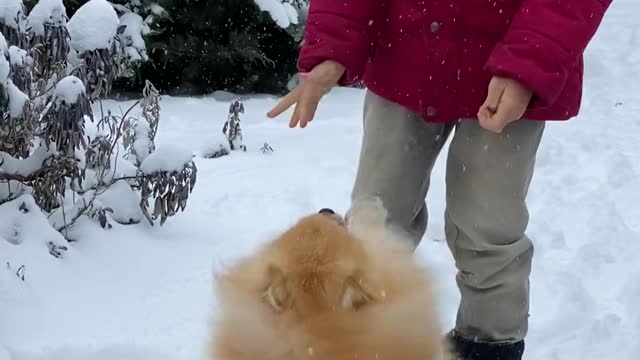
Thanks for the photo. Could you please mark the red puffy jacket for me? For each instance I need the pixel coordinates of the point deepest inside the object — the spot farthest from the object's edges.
(437, 57)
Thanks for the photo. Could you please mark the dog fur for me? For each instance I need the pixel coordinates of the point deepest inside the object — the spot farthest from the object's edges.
(322, 290)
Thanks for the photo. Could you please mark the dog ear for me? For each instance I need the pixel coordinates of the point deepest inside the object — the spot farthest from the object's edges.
(277, 294)
(356, 294)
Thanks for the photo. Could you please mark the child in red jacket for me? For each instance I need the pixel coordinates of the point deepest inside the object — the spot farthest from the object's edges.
(495, 71)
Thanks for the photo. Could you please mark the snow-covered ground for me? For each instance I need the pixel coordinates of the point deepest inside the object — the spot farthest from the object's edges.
(141, 293)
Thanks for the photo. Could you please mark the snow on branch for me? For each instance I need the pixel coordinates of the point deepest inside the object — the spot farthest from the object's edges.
(95, 46)
(133, 31)
(47, 13)
(93, 27)
(281, 11)
(10, 11)
(13, 20)
(170, 175)
(64, 117)
(48, 35)
(17, 122)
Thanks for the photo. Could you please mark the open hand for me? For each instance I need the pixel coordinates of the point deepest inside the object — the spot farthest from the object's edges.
(506, 102)
(306, 96)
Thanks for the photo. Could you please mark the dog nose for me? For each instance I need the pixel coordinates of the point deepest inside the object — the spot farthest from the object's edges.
(326, 211)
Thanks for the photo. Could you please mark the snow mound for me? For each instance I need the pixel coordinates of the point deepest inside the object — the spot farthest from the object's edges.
(216, 147)
(17, 100)
(166, 158)
(50, 12)
(19, 57)
(24, 224)
(93, 26)
(124, 201)
(282, 13)
(68, 90)
(71, 208)
(9, 11)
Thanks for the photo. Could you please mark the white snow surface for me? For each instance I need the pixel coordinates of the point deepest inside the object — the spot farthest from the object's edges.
(4, 354)
(93, 26)
(46, 12)
(137, 292)
(281, 12)
(69, 89)
(9, 10)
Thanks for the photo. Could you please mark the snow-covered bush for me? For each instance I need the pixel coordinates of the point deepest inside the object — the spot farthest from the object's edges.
(139, 135)
(216, 149)
(58, 154)
(135, 19)
(171, 176)
(266, 148)
(231, 127)
(48, 36)
(17, 123)
(132, 36)
(21, 65)
(93, 30)
(283, 12)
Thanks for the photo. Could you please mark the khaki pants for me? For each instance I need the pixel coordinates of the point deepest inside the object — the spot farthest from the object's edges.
(487, 179)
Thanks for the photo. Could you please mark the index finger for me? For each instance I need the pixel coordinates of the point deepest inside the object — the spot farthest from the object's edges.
(285, 103)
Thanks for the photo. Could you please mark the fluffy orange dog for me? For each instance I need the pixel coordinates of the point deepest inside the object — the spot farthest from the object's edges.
(323, 291)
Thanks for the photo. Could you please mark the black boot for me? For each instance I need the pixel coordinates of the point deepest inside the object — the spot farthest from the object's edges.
(467, 349)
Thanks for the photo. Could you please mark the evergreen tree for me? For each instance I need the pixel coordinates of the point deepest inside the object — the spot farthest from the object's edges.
(203, 46)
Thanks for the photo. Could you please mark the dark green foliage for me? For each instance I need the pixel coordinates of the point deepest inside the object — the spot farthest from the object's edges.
(206, 45)
(70, 5)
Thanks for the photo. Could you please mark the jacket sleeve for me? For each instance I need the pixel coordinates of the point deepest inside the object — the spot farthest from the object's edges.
(342, 31)
(544, 40)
